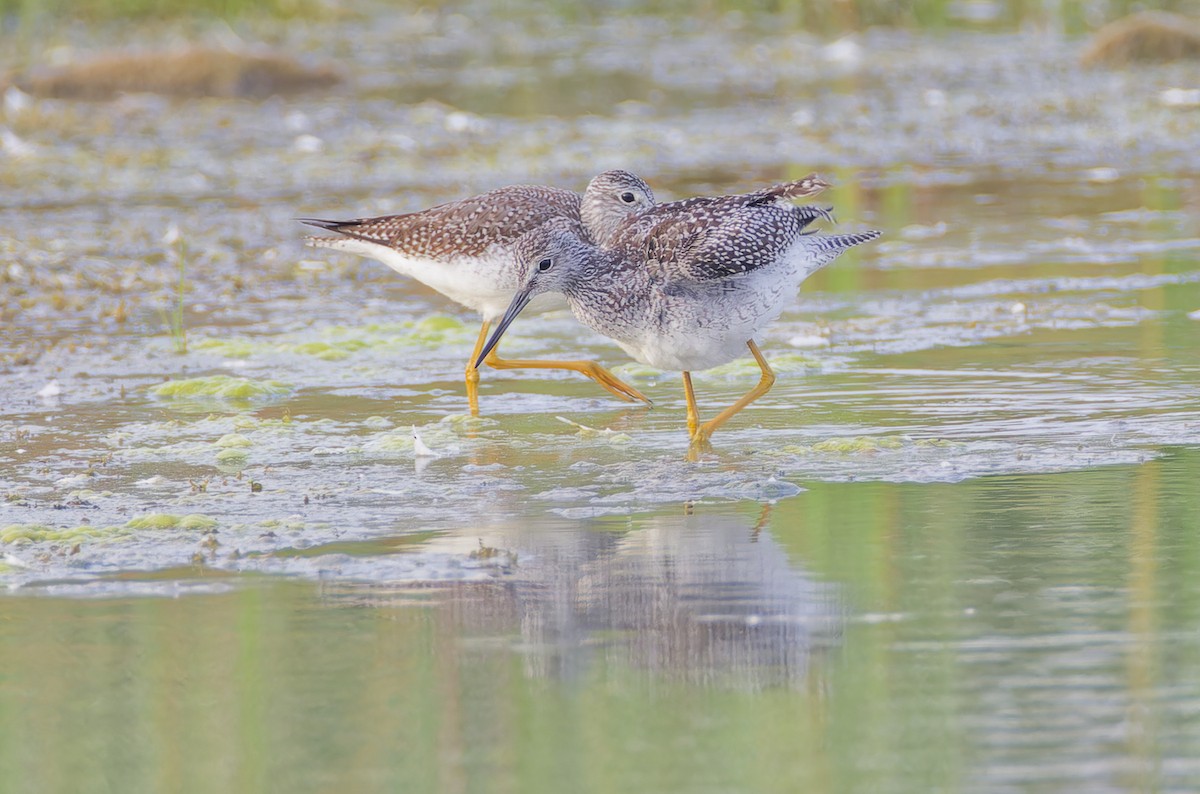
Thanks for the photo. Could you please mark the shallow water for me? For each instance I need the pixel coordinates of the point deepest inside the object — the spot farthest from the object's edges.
(952, 549)
(1014, 632)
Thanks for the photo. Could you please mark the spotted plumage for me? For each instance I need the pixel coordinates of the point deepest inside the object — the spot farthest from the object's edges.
(687, 285)
(468, 227)
(465, 249)
(717, 277)
(671, 220)
(714, 242)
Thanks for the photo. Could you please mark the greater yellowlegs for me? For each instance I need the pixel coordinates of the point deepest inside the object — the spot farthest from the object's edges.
(464, 250)
(686, 285)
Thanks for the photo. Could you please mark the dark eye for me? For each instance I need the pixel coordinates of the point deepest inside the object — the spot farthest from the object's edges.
(545, 264)
(628, 197)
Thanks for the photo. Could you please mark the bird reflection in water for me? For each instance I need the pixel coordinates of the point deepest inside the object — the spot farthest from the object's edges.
(705, 595)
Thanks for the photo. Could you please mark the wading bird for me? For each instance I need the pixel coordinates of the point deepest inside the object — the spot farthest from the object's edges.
(464, 250)
(685, 285)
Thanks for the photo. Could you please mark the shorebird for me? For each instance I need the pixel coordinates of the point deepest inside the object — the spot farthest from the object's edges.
(686, 285)
(464, 250)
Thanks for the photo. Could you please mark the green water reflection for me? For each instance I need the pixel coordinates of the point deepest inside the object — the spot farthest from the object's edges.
(1032, 632)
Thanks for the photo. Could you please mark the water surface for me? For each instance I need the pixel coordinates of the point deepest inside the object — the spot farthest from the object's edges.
(953, 548)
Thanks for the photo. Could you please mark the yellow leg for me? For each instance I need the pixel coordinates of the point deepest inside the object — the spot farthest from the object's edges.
(473, 373)
(589, 368)
(690, 395)
(693, 416)
(705, 431)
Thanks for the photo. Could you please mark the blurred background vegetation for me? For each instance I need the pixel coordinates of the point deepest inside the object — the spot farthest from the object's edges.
(19, 12)
(1072, 16)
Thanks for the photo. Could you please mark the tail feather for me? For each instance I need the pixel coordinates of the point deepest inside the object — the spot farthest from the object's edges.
(320, 223)
(369, 230)
(840, 242)
(785, 192)
(809, 213)
(322, 242)
(824, 248)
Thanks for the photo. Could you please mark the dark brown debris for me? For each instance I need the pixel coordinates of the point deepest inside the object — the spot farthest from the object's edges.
(191, 72)
(1145, 37)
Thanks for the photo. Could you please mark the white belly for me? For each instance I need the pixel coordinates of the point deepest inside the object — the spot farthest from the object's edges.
(706, 327)
(687, 353)
(485, 283)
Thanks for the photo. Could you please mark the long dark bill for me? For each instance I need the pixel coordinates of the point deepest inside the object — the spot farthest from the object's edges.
(519, 302)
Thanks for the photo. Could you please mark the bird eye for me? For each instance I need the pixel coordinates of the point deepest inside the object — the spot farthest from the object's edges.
(545, 264)
(628, 197)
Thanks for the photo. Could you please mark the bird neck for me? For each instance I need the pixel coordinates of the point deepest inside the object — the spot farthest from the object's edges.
(604, 284)
(599, 220)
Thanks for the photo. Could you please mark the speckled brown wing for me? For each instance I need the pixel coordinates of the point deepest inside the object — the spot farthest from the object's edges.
(807, 187)
(467, 227)
(709, 239)
(665, 228)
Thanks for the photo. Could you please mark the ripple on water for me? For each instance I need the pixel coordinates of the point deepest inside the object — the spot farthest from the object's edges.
(1034, 326)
